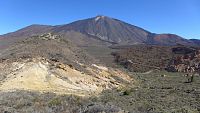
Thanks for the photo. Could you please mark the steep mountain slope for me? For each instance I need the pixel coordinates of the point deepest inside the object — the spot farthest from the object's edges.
(108, 29)
(119, 32)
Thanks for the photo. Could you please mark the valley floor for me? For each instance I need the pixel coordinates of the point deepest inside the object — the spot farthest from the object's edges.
(153, 92)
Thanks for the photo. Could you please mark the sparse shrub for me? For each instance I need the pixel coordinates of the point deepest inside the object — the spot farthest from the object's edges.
(127, 92)
(84, 66)
(54, 102)
(71, 66)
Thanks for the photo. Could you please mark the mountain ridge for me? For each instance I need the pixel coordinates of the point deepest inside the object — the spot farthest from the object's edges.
(106, 29)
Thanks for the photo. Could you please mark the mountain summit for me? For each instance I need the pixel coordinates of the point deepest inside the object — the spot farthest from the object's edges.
(108, 29)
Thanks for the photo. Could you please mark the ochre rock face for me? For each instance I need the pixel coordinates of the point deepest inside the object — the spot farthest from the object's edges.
(40, 75)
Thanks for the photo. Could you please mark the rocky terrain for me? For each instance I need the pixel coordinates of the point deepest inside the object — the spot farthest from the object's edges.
(142, 58)
(187, 62)
(97, 65)
(49, 63)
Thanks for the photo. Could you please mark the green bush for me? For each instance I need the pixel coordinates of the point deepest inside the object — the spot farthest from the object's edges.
(126, 92)
(54, 102)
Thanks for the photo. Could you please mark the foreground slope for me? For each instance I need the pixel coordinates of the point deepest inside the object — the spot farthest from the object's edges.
(49, 63)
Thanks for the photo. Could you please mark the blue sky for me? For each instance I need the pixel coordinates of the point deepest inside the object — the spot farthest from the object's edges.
(180, 17)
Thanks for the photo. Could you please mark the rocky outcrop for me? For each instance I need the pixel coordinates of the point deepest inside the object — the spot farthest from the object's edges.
(188, 63)
(43, 75)
(142, 58)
